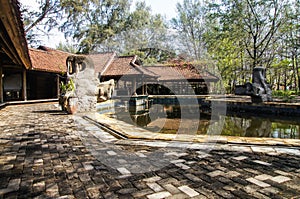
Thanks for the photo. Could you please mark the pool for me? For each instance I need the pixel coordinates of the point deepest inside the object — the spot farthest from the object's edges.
(168, 119)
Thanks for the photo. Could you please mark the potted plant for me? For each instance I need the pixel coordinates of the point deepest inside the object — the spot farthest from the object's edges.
(67, 99)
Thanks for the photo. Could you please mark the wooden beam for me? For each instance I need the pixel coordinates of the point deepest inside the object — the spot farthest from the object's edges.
(11, 19)
(1, 85)
(58, 85)
(24, 85)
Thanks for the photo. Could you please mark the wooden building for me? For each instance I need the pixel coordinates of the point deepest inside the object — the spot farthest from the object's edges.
(180, 79)
(129, 76)
(48, 70)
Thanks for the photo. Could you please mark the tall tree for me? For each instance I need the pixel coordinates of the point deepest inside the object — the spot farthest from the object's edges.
(88, 21)
(256, 22)
(190, 24)
(40, 21)
(145, 35)
(290, 41)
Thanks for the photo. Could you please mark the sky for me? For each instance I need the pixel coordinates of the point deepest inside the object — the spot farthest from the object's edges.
(166, 8)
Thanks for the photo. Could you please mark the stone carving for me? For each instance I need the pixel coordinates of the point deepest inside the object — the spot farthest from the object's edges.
(106, 90)
(81, 71)
(259, 90)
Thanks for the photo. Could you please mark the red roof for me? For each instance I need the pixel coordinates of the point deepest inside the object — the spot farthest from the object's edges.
(48, 59)
(126, 65)
(183, 71)
(102, 60)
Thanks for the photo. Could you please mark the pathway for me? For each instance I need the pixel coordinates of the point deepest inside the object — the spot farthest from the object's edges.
(45, 153)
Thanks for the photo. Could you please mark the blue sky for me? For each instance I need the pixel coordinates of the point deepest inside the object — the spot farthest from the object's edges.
(165, 7)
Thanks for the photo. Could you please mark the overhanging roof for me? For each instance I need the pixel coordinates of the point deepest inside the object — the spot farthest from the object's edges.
(12, 36)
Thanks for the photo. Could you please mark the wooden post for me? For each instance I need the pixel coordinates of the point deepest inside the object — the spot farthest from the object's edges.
(143, 87)
(146, 88)
(58, 85)
(134, 86)
(24, 89)
(1, 85)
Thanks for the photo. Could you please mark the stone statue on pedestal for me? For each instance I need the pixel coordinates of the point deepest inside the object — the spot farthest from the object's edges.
(261, 91)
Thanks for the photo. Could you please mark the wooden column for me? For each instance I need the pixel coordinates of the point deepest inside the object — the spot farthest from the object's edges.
(143, 87)
(146, 89)
(134, 86)
(58, 85)
(24, 85)
(1, 85)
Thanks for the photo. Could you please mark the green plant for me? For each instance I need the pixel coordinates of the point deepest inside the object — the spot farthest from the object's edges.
(286, 96)
(70, 86)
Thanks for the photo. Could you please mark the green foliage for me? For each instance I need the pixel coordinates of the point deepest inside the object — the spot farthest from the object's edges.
(190, 24)
(237, 35)
(68, 87)
(67, 47)
(286, 96)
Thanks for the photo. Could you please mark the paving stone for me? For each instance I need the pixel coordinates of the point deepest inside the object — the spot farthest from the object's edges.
(263, 177)
(257, 182)
(231, 174)
(52, 191)
(283, 172)
(142, 193)
(127, 191)
(178, 196)
(280, 179)
(192, 177)
(183, 166)
(154, 186)
(111, 153)
(124, 171)
(215, 173)
(46, 154)
(39, 186)
(159, 195)
(14, 184)
(189, 191)
(262, 162)
(171, 188)
(239, 158)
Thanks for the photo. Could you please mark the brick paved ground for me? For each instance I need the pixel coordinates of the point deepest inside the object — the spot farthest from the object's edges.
(47, 154)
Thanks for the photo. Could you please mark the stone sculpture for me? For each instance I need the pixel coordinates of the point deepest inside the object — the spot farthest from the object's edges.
(106, 90)
(260, 91)
(81, 71)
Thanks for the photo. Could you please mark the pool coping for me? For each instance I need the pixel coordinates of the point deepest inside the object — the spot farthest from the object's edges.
(130, 131)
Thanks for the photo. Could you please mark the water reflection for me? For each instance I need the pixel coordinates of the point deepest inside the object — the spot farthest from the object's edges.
(168, 118)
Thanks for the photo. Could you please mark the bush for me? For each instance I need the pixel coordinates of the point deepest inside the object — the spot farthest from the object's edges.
(286, 96)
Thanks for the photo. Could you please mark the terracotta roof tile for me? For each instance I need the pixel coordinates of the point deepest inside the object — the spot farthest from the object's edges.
(173, 72)
(102, 60)
(126, 65)
(48, 59)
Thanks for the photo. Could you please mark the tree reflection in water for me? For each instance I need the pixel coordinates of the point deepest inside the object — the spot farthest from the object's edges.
(166, 119)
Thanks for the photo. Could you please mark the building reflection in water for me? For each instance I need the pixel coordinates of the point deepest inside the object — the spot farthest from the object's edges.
(167, 119)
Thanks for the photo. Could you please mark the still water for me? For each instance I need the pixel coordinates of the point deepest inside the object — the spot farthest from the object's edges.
(169, 119)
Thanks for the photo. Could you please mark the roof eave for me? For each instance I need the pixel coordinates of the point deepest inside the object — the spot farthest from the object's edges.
(11, 18)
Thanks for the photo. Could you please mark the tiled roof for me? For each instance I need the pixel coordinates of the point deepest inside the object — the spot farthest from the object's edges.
(126, 65)
(102, 60)
(173, 72)
(48, 59)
